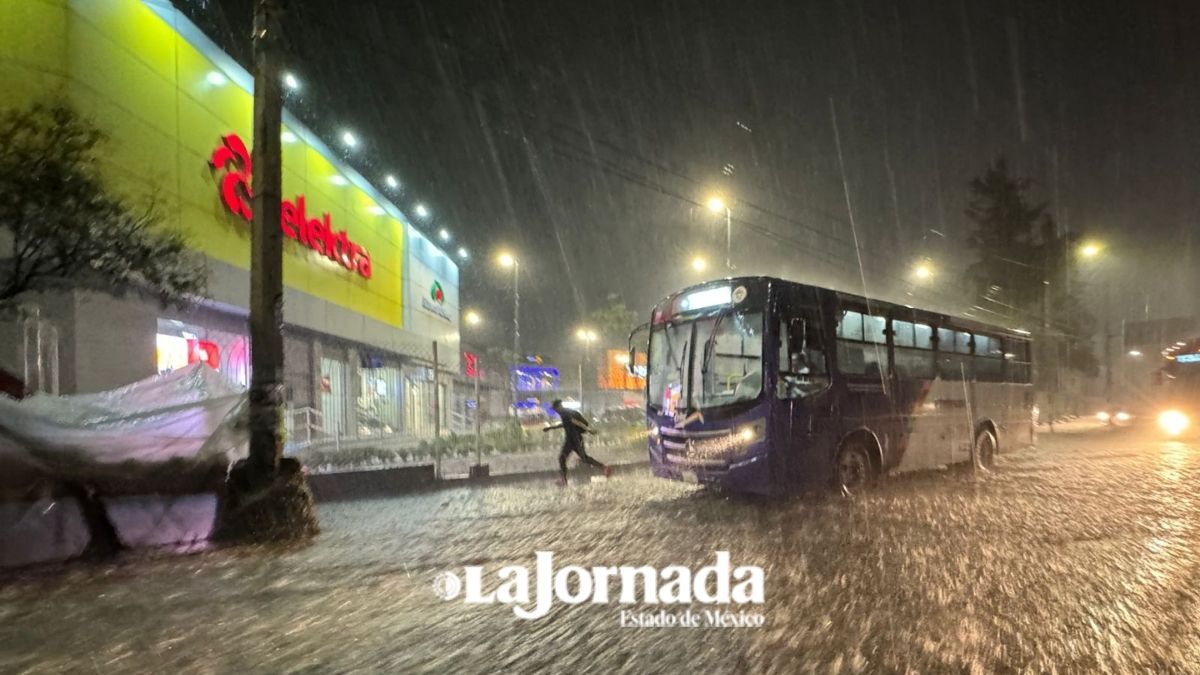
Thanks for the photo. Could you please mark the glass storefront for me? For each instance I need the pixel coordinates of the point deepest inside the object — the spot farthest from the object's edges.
(179, 344)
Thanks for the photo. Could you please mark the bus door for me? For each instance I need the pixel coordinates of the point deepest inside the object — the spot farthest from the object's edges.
(802, 423)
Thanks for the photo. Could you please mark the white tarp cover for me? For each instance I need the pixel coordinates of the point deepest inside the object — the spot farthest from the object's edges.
(167, 433)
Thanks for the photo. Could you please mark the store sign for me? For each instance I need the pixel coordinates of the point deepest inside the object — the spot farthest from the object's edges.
(434, 303)
(317, 234)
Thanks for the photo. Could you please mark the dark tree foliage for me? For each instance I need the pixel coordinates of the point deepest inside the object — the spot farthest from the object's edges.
(1023, 266)
(613, 322)
(63, 228)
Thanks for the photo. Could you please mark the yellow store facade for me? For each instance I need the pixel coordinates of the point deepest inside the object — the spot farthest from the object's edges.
(367, 294)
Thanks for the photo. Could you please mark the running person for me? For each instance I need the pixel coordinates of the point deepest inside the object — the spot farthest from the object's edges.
(574, 426)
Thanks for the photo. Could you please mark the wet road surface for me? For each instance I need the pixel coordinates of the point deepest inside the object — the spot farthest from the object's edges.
(1082, 555)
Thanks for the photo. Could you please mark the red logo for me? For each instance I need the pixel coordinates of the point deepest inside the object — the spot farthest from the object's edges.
(317, 234)
(235, 186)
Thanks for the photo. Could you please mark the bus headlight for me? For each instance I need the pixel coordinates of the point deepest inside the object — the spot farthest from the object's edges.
(1122, 416)
(750, 433)
(1103, 416)
(1173, 422)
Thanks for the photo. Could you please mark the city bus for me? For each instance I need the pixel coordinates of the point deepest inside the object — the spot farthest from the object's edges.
(766, 386)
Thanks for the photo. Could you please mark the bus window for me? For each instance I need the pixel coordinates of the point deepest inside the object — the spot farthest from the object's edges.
(851, 326)
(1019, 370)
(954, 354)
(729, 370)
(989, 359)
(914, 350)
(874, 328)
(802, 367)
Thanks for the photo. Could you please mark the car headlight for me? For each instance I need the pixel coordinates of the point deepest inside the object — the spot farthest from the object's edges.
(1103, 416)
(1173, 422)
(1122, 417)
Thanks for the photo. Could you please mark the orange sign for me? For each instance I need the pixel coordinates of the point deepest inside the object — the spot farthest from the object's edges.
(615, 372)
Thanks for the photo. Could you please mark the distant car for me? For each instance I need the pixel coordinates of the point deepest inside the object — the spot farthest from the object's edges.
(1115, 416)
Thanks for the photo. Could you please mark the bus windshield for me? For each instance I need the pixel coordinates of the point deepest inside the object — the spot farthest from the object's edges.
(705, 362)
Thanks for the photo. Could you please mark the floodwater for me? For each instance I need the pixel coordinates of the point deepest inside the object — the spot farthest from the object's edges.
(1078, 556)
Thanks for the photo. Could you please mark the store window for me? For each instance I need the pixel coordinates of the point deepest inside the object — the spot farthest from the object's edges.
(180, 344)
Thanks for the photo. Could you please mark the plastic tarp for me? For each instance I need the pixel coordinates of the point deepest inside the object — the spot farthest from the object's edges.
(172, 433)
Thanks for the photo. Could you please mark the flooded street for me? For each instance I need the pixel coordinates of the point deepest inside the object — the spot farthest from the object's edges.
(1078, 556)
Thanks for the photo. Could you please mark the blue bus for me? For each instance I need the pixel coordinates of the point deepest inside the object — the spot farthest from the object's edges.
(766, 386)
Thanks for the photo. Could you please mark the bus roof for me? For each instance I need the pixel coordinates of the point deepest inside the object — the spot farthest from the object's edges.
(919, 313)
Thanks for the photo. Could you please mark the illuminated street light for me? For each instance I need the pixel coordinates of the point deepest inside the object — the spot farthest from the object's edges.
(472, 318)
(699, 264)
(509, 261)
(923, 271)
(391, 181)
(290, 81)
(1135, 353)
(422, 211)
(1090, 250)
(349, 139)
(444, 234)
(463, 254)
(716, 204)
(587, 336)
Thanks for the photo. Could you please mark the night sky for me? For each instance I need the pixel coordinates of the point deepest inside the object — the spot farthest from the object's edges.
(586, 137)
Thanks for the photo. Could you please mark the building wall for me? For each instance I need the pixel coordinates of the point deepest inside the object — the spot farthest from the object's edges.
(143, 74)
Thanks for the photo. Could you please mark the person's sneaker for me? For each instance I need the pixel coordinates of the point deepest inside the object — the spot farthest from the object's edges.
(607, 471)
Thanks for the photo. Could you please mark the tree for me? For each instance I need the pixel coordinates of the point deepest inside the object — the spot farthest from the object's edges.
(66, 229)
(613, 322)
(1023, 265)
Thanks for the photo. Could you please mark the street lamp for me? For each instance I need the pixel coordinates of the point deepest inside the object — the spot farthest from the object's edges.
(472, 318)
(699, 264)
(923, 271)
(507, 261)
(1090, 250)
(1134, 353)
(716, 204)
(587, 336)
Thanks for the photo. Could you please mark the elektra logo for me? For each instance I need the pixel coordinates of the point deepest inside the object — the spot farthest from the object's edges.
(531, 595)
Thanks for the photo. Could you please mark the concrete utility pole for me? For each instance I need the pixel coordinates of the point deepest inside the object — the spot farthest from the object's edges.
(266, 247)
(266, 496)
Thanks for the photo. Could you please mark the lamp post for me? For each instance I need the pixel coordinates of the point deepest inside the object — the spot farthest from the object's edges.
(473, 319)
(587, 336)
(1090, 251)
(508, 260)
(717, 205)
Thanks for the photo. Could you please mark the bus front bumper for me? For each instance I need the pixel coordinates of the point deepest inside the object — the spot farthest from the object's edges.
(749, 474)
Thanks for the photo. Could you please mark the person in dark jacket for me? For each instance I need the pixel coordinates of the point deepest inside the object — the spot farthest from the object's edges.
(574, 426)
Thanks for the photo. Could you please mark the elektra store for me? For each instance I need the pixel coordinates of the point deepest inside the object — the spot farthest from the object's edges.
(367, 295)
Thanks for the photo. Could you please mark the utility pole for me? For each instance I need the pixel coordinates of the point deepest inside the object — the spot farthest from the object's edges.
(268, 498)
(266, 248)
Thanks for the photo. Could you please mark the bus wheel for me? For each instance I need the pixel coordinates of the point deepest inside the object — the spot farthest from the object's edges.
(985, 449)
(853, 470)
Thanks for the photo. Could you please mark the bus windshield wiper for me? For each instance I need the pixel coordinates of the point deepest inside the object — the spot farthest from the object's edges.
(710, 348)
